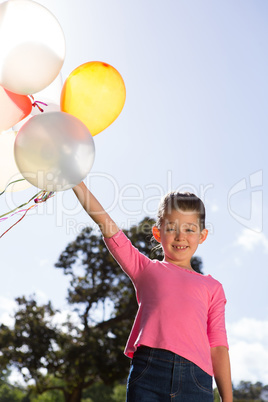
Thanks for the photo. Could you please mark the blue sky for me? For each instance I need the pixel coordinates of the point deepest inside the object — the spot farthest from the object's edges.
(195, 119)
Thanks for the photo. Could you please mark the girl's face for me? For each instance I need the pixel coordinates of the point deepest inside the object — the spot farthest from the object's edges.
(180, 236)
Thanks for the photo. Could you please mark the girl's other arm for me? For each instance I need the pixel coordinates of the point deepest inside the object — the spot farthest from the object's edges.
(94, 209)
(222, 372)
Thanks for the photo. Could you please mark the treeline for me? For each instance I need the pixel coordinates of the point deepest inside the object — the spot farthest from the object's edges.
(98, 392)
(245, 391)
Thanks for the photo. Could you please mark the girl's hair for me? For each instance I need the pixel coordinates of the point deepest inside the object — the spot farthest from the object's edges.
(181, 202)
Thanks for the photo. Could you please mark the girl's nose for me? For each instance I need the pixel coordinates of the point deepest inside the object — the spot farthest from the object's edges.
(179, 235)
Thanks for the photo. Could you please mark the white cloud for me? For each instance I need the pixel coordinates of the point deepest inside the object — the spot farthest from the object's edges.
(250, 239)
(248, 340)
(249, 362)
(7, 308)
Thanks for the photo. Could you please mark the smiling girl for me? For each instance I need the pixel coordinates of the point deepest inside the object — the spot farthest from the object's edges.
(178, 340)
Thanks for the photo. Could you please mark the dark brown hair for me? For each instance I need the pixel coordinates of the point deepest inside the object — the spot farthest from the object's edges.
(181, 202)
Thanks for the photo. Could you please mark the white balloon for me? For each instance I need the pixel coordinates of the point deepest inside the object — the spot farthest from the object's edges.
(54, 151)
(32, 46)
(8, 168)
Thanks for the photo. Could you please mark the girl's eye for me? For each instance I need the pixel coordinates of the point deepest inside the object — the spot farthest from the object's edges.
(183, 230)
(170, 229)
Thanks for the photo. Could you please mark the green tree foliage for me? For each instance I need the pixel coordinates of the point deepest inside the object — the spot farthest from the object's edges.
(105, 393)
(10, 394)
(246, 391)
(98, 392)
(216, 396)
(74, 355)
(119, 393)
(48, 396)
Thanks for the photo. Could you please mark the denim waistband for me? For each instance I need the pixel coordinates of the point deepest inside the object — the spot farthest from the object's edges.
(161, 354)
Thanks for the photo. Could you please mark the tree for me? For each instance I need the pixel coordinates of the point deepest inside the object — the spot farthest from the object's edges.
(98, 392)
(119, 394)
(73, 356)
(245, 391)
(9, 392)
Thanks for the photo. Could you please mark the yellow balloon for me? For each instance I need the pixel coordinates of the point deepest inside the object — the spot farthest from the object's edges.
(95, 93)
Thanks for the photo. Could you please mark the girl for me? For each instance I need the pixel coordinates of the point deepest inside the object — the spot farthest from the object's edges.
(178, 340)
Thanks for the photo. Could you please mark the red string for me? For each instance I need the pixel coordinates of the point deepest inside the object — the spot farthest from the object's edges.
(43, 197)
(17, 221)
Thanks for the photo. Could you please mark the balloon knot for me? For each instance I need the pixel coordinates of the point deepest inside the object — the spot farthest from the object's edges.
(36, 104)
(44, 196)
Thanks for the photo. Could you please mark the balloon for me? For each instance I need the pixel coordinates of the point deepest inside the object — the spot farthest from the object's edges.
(54, 151)
(95, 93)
(8, 168)
(13, 108)
(32, 46)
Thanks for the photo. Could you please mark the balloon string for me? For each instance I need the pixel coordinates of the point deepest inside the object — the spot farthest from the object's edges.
(35, 104)
(12, 182)
(21, 206)
(17, 212)
(41, 196)
(17, 221)
(45, 195)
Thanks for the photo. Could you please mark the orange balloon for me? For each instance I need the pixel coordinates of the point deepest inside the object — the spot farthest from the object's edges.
(13, 108)
(95, 93)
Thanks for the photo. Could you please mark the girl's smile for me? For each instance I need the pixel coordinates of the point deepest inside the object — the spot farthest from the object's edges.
(180, 247)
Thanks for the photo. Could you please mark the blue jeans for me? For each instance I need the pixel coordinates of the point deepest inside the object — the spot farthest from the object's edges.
(157, 375)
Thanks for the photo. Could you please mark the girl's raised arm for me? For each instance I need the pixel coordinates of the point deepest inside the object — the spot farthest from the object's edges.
(94, 209)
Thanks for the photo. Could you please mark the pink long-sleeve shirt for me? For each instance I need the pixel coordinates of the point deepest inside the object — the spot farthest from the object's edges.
(179, 310)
